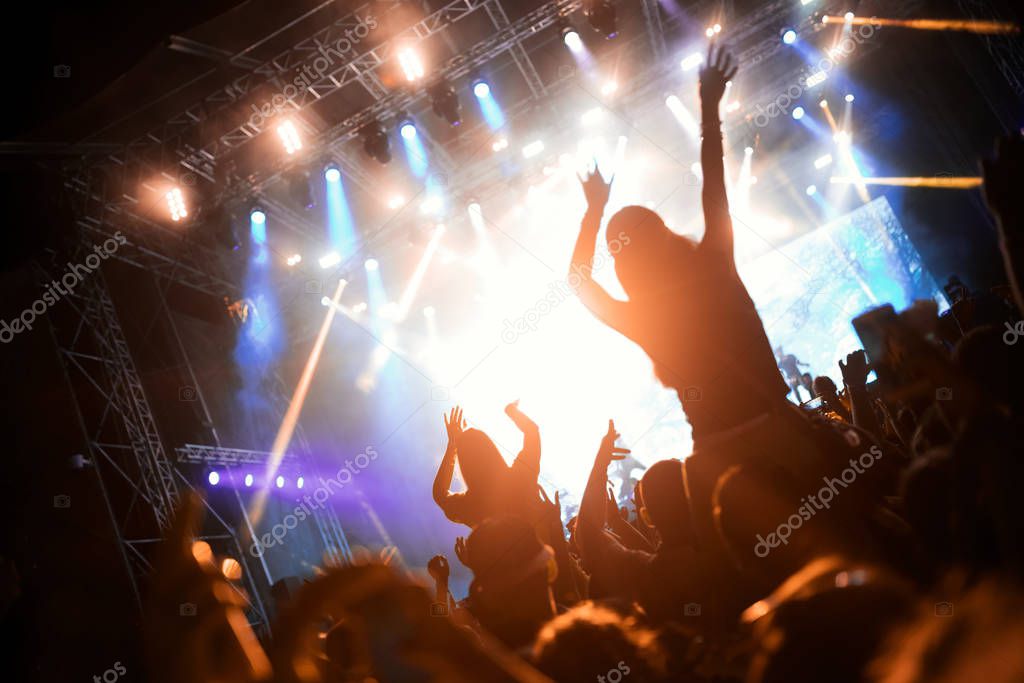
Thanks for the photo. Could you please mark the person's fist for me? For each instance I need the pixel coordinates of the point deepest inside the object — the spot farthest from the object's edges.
(438, 567)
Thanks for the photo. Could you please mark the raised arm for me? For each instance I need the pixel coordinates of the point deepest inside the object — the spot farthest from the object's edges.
(529, 457)
(590, 522)
(718, 71)
(453, 424)
(608, 309)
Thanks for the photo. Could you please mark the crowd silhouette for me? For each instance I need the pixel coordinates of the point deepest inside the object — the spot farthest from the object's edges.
(873, 535)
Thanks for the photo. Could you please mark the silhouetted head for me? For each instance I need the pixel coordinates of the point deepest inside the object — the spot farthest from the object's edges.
(824, 386)
(644, 248)
(663, 496)
(590, 641)
(480, 462)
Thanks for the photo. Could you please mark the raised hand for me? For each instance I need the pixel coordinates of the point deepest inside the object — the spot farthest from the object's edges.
(718, 70)
(595, 189)
(608, 450)
(460, 550)
(438, 568)
(553, 509)
(454, 424)
(855, 370)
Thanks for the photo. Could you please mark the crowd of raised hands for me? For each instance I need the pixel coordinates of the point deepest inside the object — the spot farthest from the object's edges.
(876, 537)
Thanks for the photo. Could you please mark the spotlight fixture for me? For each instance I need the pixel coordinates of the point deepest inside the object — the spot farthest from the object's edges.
(445, 102)
(279, 481)
(798, 113)
(248, 481)
(407, 129)
(290, 137)
(601, 16)
(692, 61)
(812, 190)
(294, 259)
(789, 36)
(257, 216)
(176, 204)
(371, 264)
(332, 174)
(375, 142)
(481, 89)
(571, 38)
(850, 97)
(412, 65)
(213, 477)
(300, 482)
(330, 259)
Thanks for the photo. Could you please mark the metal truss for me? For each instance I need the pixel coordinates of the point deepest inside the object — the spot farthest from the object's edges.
(219, 455)
(125, 448)
(655, 32)
(518, 52)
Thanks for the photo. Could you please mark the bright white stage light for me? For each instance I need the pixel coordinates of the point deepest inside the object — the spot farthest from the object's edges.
(359, 307)
(573, 41)
(481, 89)
(849, 17)
(213, 478)
(371, 264)
(407, 130)
(609, 88)
(748, 150)
(823, 104)
(850, 97)
(692, 62)
(822, 161)
(279, 481)
(176, 204)
(431, 205)
(533, 149)
(294, 259)
(290, 137)
(411, 64)
(843, 138)
(811, 190)
(789, 37)
(300, 482)
(248, 480)
(817, 78)
(396, 201)
(332, 175)
(258, 217)
(499, 144)
(330, 259)
(592, 116)
(325, 300)
(798, 113)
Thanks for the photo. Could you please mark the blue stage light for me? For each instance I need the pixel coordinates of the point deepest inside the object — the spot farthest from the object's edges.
(789, 36)
(798, 113)
(213, 478)
(248, 480)
(407, 130)
(481, 89)
(332, 174)
(258, 217)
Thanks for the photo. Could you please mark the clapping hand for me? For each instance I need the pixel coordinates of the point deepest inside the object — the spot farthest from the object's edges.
(454, 424)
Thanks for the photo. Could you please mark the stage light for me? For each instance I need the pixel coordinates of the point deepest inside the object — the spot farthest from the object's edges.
(325, 300)
(431, 205)
(748, 150)
(412, 67)
(359, 307)
(428, 312)
(843, 138)
(499, 144)
(850, 97)
(294, 259)
(290, 137)
(176, 204)
(710, 32)
(213, 478)
(806, 2)
(717, 28)
(371, 264)
(330, 259)
(407, 130)
(396, 201)
(332, 174)
(474, 209)
(798, 113)
(248, 480)
(601, 15)
(300, 482)
(789, 36)
(375, 142)
(823, 104)
(811, 190)
(572, 39)
(823, 161)
(592, 116)
(445, 103)
(258, 217)
(609, 88)
(692, 62)
(481, 89)
(849, 17)
(816, 79)
(279, 481)
(732, 107)
(533, 149)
